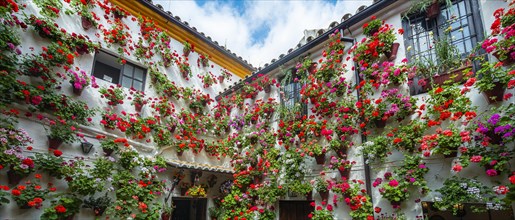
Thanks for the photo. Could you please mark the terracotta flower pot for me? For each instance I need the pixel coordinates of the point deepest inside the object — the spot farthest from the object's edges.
(433, 10)
(86, 23)
(186, 52)
(320, 159)
(313, 68)
(258, 179)
(341, 152)
(392, 54)
(77, 92)
(54, 143)
(179, 153)
(495, 94)
(138, 107)
(268, 88)
(344, 172)
(166, 216)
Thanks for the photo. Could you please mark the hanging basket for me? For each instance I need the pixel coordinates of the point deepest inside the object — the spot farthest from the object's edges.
(54, 143)
(268, 88)
(344, 172)
(495, 94)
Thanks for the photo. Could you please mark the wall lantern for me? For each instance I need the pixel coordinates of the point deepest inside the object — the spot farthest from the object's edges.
(86, 147)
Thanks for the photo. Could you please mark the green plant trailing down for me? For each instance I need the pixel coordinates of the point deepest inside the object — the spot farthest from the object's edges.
(457, 191)
(377, 149)
(99, 204)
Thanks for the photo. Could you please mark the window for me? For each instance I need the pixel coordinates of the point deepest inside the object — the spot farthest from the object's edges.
(462, 22)
(107, 67)
(291, 91)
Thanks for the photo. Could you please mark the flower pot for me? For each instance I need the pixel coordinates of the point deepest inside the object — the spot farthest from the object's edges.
(138, 107)
(108, 152)
(433, 10)
(13, 178)
(495, 94)
(25, 206)
(451, 155)
(70, 217)
(86, 23)
(221, 79)
(184, 74)
(324, 195)
(54, 143)
(341, 152)
(183, 191)
(373, 31)
(268, 88)
(179, 153)
(258, 179)
(320, 159)
(77, 92)
(313, 68)
(442, 78)
(309, 196)
(392, 54)
(344, 172)
(494, 138)
(380, 123)
(166, 216)
(506, 62)
(186, 52)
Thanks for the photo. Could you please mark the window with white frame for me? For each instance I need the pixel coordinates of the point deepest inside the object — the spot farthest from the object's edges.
(129, 75)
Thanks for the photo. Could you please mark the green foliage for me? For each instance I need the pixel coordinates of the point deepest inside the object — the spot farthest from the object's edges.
(377, 149)
(70, 205)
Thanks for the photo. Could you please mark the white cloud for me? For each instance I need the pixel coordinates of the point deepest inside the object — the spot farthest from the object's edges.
(286, 21)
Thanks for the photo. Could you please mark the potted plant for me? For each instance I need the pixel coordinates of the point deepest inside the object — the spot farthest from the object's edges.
(394, 190)
(321, 185)
(138, 99)
(29, 196)
(456, 191)
(342, 165)
(204, 60)
(317, 151)
(494, 80)
(113, 94)
(430, 7)
(187, 48)
(87, 19)
(61, 132)
(377, 149)
(185, 69)
(64, 208)
(372, 27)
(99, 204)
(51, 164)
(80, 81)
(109, 146)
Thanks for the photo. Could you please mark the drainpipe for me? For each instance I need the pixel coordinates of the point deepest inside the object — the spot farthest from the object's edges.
(368, 182)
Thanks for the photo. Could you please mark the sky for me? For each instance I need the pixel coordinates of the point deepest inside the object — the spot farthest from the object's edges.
(259, 30)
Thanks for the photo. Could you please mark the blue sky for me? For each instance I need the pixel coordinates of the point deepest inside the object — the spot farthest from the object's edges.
(260, 30)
